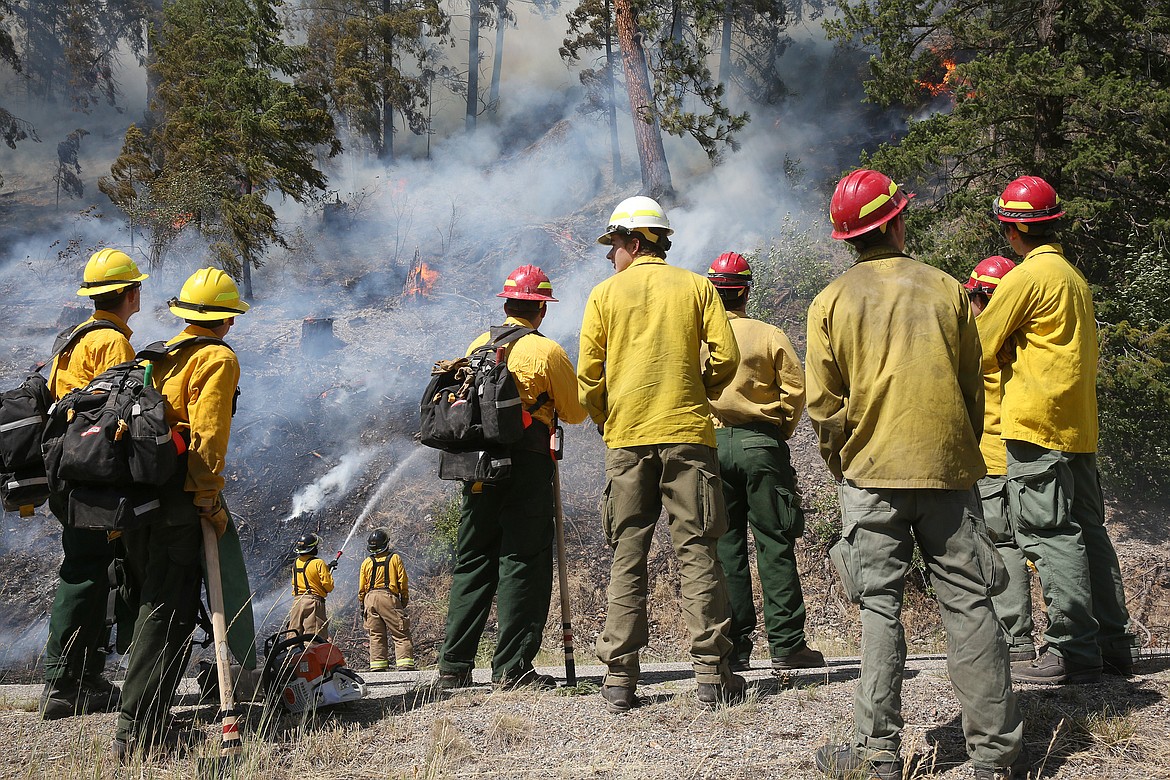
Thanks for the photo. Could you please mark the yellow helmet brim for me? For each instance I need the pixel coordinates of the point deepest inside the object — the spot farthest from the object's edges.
(113, 285)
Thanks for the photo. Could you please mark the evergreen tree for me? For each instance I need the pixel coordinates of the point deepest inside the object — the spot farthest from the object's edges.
(228, 106)
(13, 129)
(359, 52)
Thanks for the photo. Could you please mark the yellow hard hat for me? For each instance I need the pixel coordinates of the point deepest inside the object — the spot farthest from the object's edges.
(208, 295)
(109, 270)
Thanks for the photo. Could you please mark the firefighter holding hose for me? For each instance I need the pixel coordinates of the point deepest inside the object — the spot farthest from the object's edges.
(383, 593)
(312, 581)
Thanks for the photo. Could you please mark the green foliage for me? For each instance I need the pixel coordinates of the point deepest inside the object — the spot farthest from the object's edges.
(357, 50)
(788, 274)
(442, 542)
(1133, 389)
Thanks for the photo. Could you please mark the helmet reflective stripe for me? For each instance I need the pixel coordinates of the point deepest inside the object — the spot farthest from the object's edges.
(637, 213)
(877, 202)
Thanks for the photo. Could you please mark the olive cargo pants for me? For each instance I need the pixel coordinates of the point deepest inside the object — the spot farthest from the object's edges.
(77, 622)
(640, 482)
(879, 528)
(1055, 499)
(503, 550)
(759, 490)
(1014, 604)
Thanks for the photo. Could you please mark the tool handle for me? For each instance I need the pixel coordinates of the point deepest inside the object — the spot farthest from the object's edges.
(563, 576)
(227, 704)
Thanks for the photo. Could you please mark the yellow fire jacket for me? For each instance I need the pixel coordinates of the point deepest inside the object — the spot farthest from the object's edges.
(91, 355)
(1039, 329)
(894, 388)
(769, 383)
(991, 442)
(199, 385)
(317, 579)
(398, 583)
(640, 373)
(540, 365)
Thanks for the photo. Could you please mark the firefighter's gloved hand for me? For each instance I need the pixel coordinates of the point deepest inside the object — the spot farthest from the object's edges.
(332, 565)
(217, 516)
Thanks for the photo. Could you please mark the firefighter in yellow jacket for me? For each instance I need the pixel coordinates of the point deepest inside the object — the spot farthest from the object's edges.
(199, 383)
(383, 592)
(75, 651)
(312, 581)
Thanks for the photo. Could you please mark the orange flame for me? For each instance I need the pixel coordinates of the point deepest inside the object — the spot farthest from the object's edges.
(420, 280)
(180, 222)
(947, 81)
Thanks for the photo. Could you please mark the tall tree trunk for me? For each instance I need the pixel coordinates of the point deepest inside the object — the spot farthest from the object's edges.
(725, 45)
(246, 265)
(386, 151)
(498, 59)
(473, 67)
(611, 102)
(1049, 112)
(655, 172)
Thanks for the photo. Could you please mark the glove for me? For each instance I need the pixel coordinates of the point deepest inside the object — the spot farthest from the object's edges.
(332, 565)
(216, 515)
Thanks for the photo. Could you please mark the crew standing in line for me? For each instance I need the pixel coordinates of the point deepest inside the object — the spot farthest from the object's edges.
(75, 654)
(383, 593)
(199, 383)
(312, 581)
(504, 545)
(754, 417)
(1040, 329)
(1014, 604)
(895, 396)
(644, 385)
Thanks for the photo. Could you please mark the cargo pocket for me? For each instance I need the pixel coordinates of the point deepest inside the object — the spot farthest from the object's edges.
(712, 514)
(607, 513)
(789, 513)
(990, 562)
(844, 560)
(1039, 497)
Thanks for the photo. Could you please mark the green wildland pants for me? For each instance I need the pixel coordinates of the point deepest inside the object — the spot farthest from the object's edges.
(1055, 500)
(1014, 604)
(879, 528)
(759, 490)
(503, 550)
(640, 481)
(77, 623)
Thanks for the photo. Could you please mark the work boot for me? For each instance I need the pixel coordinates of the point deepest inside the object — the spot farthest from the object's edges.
(619, 699)
(803, 657)
(740, 664)
(60, 698)
(529, 679)
(379, 666)
(1017, 771)
(1051, 669)
(1019, 653)
(712, 695)
(175, 739)
(840, 762)
(101, 695)
(406, 667)
(449, 681)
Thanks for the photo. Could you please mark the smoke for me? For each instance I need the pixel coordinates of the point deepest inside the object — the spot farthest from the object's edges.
(331, 487)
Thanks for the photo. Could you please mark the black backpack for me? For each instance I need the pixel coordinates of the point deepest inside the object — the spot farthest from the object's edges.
(473, 404)
(108, 447)
(24, 410)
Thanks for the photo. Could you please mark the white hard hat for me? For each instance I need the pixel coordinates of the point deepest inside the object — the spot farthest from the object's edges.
(634, 213)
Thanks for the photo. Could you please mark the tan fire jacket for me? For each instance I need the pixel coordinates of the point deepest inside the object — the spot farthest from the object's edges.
(370, 579)
(91, 355)
(199, 385)
(1041, 316)
(639, 371)
(769, 383)
(895, 393)
(540, 365)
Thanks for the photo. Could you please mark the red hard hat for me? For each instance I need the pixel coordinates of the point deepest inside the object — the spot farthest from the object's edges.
(987, 274)
(865, 200)
(1028, 199)
(730, 270)
(527, 283)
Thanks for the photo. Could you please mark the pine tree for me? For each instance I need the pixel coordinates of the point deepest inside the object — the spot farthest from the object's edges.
(359, 56)
(229, 107)
(13, 129)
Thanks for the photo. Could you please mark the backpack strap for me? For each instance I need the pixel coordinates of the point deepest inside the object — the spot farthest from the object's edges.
(70, 336)
(502, 336)
(161, 349)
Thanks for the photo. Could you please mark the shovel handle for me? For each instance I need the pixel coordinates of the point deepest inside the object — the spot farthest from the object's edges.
(231, 734)
(563, 576)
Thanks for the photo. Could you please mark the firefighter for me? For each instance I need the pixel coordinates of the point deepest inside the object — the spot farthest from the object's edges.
(75, 653)
(895, 396)
(505, 537)
(644, 384)
(1014, 604)
(199, 384)
(754, 417)
(383, 593)
(312, 581)
(1040, 326)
